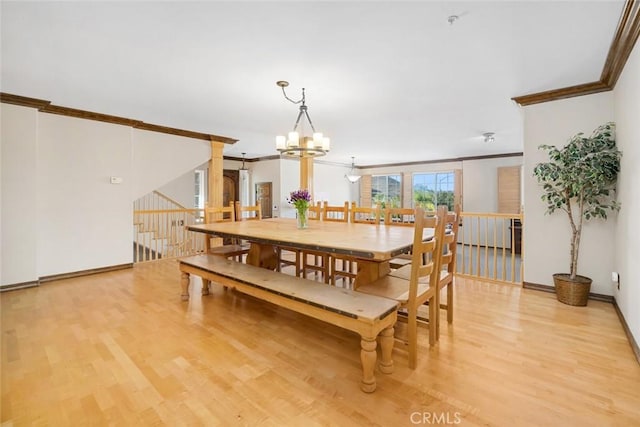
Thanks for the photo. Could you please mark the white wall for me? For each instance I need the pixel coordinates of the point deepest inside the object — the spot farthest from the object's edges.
(330, 184)
(158, 158)
(266, 171)
(84, 221)
(182, 189)
(627, 247)
(60, 213)
(480, 182)
(18, 190)
(547, 237)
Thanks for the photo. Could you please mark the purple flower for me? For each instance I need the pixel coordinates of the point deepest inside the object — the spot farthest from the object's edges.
(300, 199)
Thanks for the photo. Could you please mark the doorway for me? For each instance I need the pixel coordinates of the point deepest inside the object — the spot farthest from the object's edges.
(230, 191)
(264, 198)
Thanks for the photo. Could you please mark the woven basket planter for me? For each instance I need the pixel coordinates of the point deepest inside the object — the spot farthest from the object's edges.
(572, 292)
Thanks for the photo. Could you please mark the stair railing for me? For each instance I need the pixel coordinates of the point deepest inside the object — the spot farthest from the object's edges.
(491, 247)
(159, 228)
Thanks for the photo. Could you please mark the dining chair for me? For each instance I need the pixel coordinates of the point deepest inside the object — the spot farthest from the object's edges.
(315, 212)
(399, 216)
(421, 285)
(234, 249)
(248, 213)
(337, 213)
(403, 217)
(365, 215)
(448, 263)
(341, 266)
(314, 261)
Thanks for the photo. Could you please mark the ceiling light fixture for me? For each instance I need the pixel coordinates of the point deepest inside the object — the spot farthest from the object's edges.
(489, 137)
(296, 144)
(351, 176)
(243, 168)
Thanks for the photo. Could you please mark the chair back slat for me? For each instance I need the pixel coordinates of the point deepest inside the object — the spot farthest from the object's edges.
(220, 214)
(425, 262)
(315, 212)
(450, 240)
(335, 213)
(248, 213)
(364, 215)
(400, 216)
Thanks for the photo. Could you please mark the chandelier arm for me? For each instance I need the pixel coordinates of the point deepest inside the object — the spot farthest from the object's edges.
(291, 100)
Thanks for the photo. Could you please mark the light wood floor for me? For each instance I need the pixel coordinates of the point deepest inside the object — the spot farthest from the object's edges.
(120, 348)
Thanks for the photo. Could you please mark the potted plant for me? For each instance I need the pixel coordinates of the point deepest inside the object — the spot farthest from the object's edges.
(580, 180)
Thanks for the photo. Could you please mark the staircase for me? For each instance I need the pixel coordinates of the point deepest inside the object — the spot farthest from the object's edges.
(159, 229)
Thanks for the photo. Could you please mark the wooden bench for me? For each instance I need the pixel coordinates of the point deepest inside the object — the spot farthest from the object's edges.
(368, 315)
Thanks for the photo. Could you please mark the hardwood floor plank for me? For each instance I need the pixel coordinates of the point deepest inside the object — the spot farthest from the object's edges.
(121, 348)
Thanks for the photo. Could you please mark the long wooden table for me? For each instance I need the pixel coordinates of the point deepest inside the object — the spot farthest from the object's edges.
(371, 245)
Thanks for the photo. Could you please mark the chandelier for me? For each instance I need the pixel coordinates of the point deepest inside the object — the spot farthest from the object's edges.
(296, 144)
(351, 176)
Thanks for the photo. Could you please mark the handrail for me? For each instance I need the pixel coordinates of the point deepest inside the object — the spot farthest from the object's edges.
(169, 199)
(144, 211)
(159, 228)
(491, 247)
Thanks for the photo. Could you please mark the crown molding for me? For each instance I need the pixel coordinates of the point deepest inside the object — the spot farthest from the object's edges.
(623, 42)
(422, 162)
(456, 159)
(46, 107)
(566, 92)
(624, 39)
(7, 98)
(88, 115)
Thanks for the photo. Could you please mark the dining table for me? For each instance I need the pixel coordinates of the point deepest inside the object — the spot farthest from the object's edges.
(372, 246)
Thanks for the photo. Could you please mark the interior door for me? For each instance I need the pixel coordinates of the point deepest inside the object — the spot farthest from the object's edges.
(229, 186)
(264, 198)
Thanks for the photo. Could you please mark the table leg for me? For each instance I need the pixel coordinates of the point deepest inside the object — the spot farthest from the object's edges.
(264, 256)
(184, 282)
(207, 243)
(386, 347)
(370, 271)
(368, 357)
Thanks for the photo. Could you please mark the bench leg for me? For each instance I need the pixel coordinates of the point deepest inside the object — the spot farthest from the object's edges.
(205, 286)
(184, 282)
(368, 357)
(386, 347)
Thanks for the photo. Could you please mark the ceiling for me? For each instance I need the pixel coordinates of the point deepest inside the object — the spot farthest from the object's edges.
(389, 82)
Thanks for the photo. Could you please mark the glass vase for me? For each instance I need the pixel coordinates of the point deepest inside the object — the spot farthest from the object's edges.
(303, 218)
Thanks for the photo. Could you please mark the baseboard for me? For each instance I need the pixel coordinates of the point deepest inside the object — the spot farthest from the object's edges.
(22, 285)
(551, 289)
(634, 344)
(45, 279)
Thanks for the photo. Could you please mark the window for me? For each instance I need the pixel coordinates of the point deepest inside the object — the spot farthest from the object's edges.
(433, 189)
(199, 189)
(386, 190)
